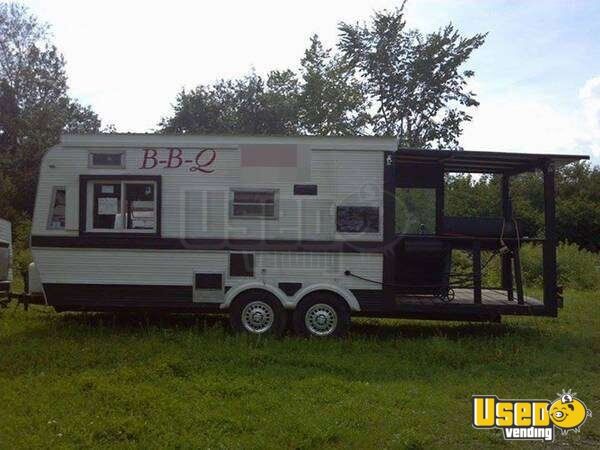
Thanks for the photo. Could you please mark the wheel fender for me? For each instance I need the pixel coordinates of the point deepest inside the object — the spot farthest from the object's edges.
(234, 292)
(342, 292)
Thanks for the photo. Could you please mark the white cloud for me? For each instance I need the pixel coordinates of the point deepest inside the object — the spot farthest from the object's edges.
(527, 124)
(589, 95)
(128, 59)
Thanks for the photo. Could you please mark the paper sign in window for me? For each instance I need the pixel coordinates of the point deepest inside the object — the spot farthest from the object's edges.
(108, 206)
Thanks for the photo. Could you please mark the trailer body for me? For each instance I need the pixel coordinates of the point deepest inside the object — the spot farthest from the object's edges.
(190, 223)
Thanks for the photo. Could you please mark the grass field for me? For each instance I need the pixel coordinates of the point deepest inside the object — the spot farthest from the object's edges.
(76, 380)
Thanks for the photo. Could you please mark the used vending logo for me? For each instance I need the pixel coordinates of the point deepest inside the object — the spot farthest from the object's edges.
(530, 419)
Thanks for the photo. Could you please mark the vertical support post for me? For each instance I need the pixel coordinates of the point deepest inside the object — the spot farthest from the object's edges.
(550, 278)
(389, 229)
(518, 277)
(439, 203)
(507, 213)
(477, 272)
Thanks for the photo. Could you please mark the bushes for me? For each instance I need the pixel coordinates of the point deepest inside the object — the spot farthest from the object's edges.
(577, 268)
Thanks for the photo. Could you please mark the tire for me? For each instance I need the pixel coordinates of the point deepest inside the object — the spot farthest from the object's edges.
(257, 312)
(322, 314)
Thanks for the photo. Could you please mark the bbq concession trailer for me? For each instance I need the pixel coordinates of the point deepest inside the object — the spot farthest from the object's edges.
(264, 228)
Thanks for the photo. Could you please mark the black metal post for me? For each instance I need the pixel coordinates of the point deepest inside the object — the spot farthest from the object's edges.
(477, 272)
(389, 229)
(439, 203)
(550, 278)
(518, 276)
(507, 213)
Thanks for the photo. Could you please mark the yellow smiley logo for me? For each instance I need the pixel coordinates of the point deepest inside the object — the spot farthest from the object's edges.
(568, 412)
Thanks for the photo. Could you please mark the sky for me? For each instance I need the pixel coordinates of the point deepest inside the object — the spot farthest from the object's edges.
(537, 77)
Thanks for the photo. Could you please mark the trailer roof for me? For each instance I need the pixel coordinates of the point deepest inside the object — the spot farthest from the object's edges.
(450, 160)
(484, 161)
(193, 140)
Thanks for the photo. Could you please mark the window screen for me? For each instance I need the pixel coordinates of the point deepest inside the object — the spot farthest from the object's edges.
(357, 219)
(56, 220)
(106, 160)
(254, 204)
(415, 211)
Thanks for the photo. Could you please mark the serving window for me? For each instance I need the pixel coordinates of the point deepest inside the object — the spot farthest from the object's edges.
(122, 205)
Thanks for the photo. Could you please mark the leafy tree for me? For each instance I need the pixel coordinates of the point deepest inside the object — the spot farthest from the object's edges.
(323, 99)
(244, 106)
(415, 81)
(468, 196)
(35, 106)
(578, 204)
(332, 102)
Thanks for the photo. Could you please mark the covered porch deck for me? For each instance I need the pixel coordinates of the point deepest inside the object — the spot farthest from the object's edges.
(418, 270)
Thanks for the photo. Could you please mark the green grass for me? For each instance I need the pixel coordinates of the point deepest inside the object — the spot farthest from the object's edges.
(78, 380)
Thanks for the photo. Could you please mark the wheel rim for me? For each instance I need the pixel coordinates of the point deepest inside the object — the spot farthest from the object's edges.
(258, 317)
(321, 319)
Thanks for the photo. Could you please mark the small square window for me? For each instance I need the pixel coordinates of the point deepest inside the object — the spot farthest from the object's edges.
(258, 204)
(107, 160)
(56, 219)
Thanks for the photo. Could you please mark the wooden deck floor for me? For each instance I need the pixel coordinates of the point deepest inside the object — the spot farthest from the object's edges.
(465, 297)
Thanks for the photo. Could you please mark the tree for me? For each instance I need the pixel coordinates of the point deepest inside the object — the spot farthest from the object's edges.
(332, 102)
(577, 202)
(415, 81)
(244, 106)
(35, 106)
(323, 99)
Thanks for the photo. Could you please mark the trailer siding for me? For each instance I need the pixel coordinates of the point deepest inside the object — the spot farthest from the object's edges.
(197, 205)
(177, 268)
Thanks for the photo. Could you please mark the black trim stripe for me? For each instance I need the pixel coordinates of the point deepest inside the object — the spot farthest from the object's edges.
(156, 243)
(372, 300)
(4, 244)
(119, 295)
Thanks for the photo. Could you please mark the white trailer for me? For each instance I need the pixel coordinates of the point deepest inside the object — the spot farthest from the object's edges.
(201, 223)
(259, 227)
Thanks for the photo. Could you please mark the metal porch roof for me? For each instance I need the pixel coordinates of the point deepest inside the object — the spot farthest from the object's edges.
(483, 161)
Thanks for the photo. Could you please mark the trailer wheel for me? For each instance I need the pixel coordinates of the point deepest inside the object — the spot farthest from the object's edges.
(322, 314)
(257, 312)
